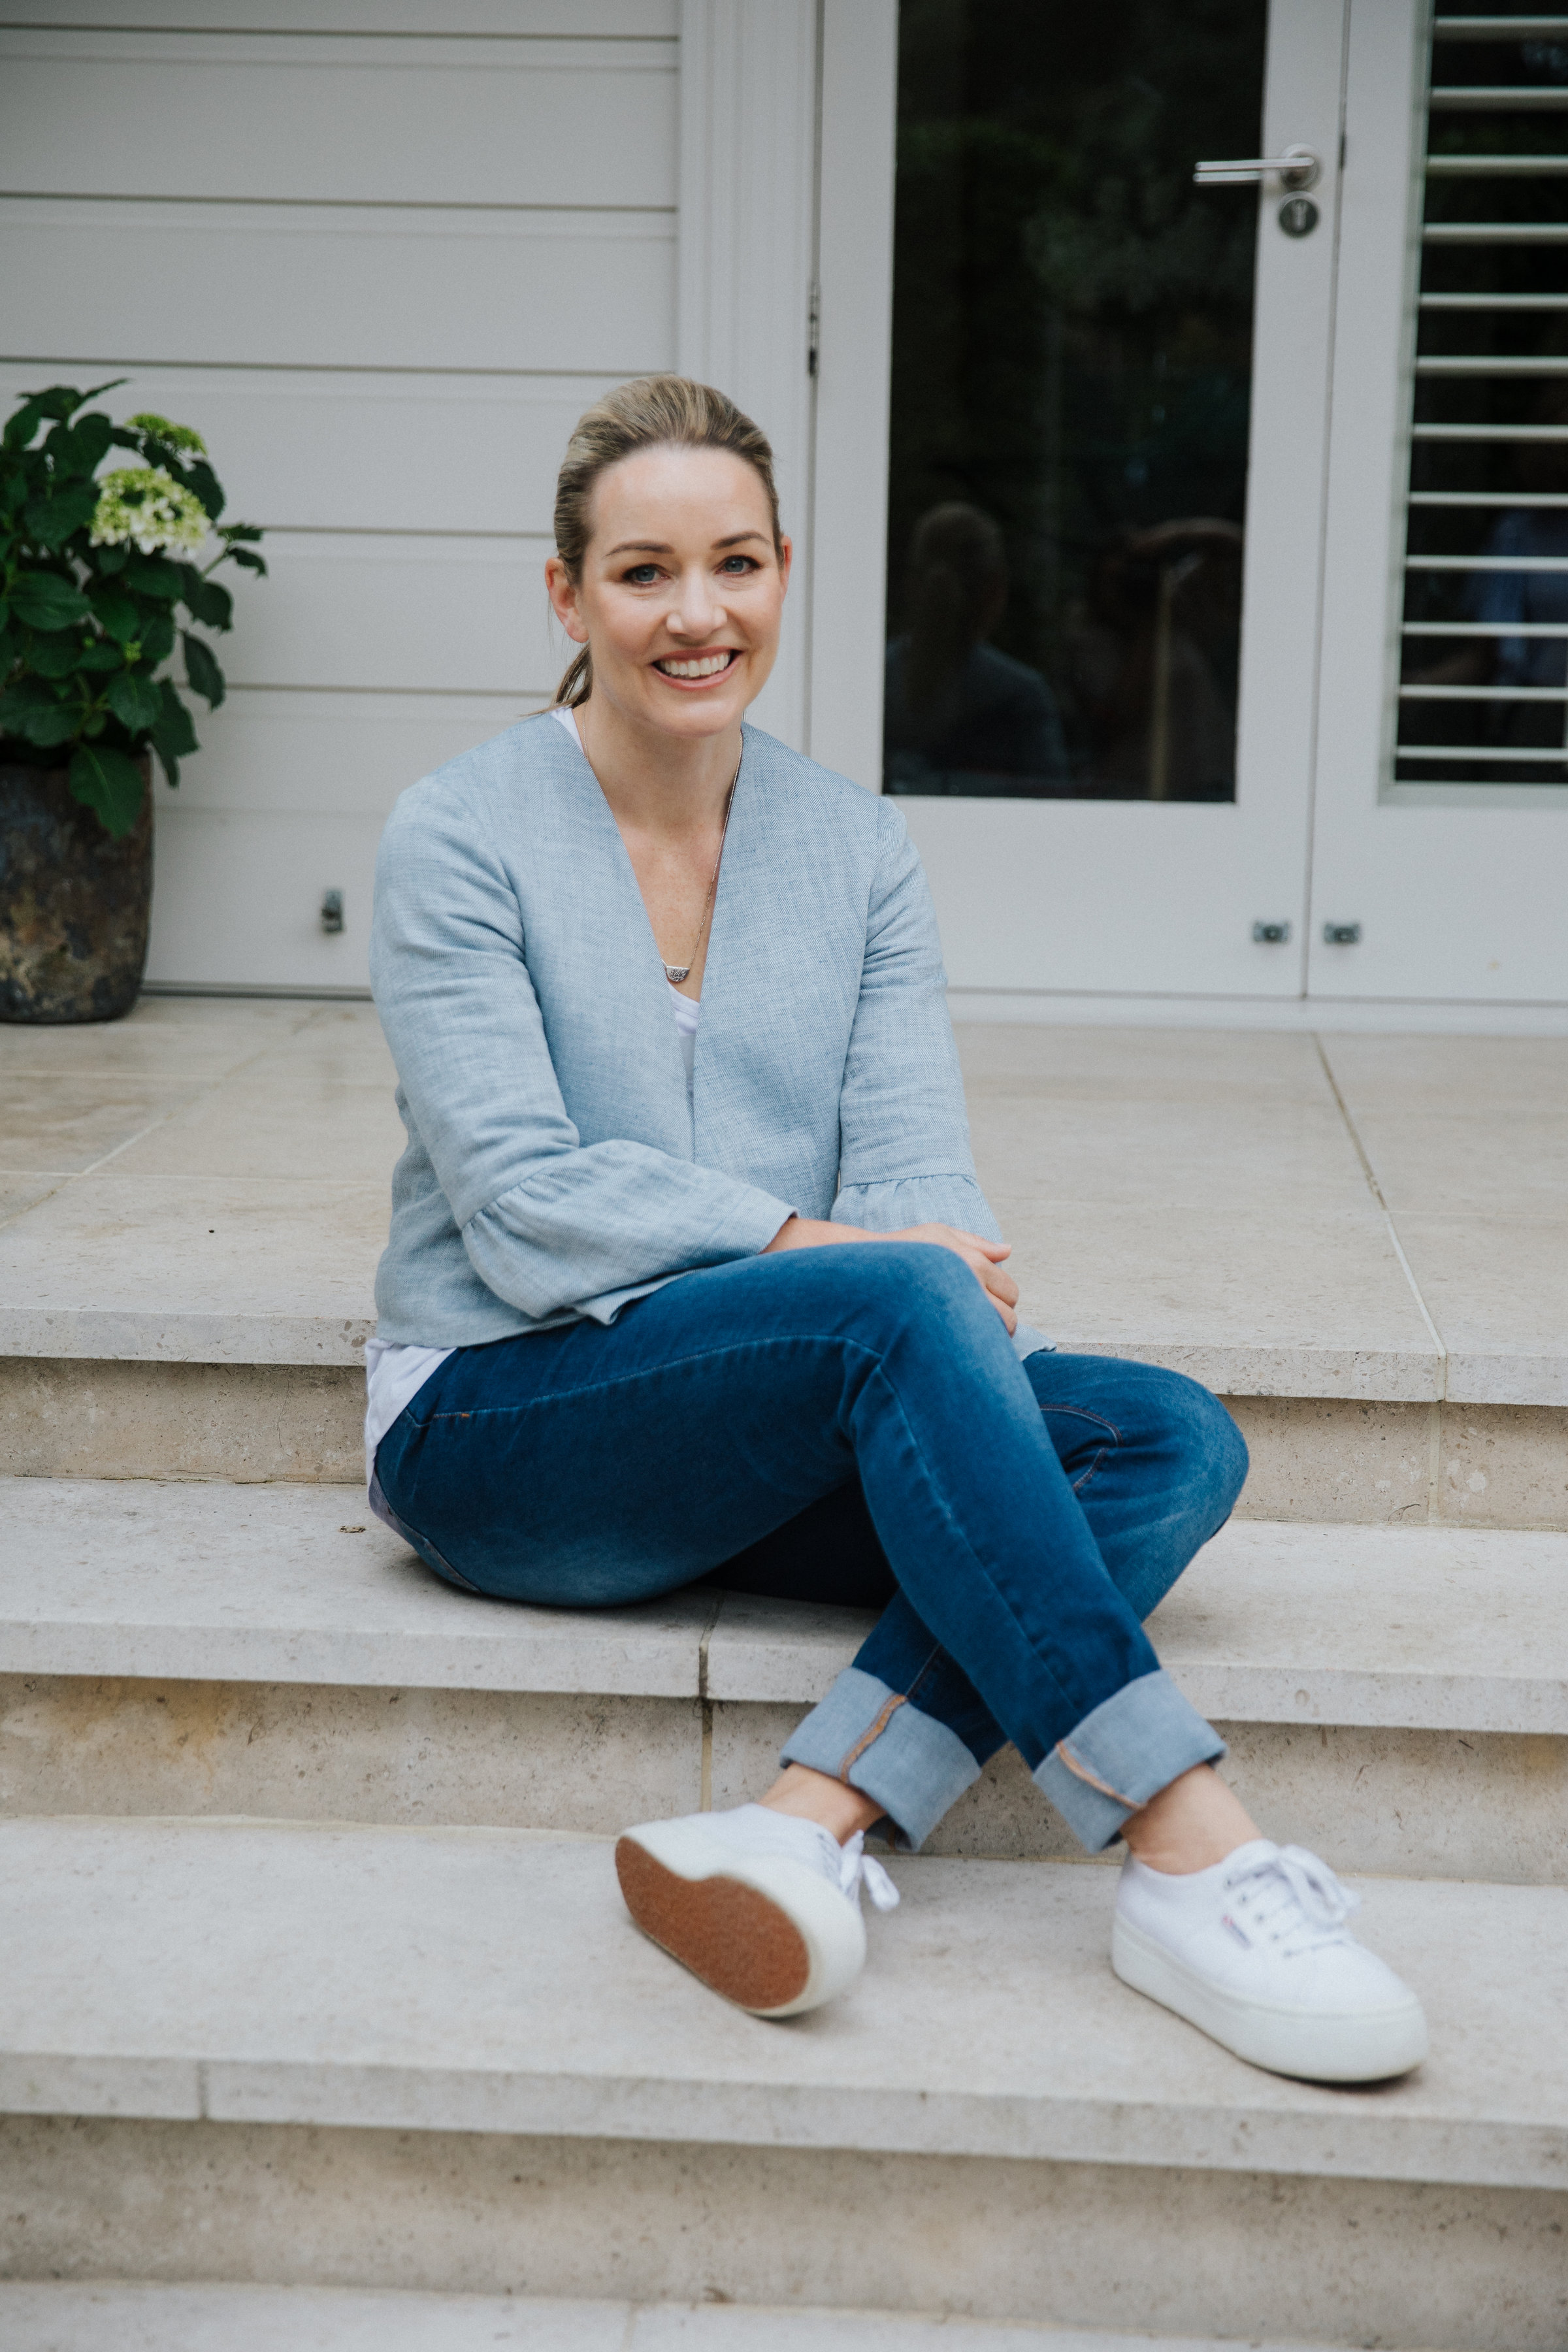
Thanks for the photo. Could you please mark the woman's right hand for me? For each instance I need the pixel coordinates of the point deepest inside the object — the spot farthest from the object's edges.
(983, 1258)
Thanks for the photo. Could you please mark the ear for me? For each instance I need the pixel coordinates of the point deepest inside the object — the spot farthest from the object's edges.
(786, 557)
(563, 599)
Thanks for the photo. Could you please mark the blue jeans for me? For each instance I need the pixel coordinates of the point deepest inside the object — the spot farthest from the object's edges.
(852, 1425)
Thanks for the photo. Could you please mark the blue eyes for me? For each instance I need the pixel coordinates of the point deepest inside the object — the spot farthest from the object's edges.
(644, 575)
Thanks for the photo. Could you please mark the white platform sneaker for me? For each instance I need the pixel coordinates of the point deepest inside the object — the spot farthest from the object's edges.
(1255, 1951)
(763, 1908)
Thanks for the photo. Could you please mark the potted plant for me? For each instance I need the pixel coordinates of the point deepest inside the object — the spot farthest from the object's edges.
(96, 570)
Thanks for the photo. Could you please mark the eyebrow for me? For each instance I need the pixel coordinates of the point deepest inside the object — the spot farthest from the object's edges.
(662, 546)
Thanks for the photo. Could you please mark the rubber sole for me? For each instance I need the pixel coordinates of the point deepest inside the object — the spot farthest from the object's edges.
(738, 1941)
(1369, 2046)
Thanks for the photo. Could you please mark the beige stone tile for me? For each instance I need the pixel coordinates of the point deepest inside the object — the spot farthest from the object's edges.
(1332, 1460)
(1080, 1065)
(301, 1118)
(301, 1751)
(1163, 2251)
(64, 1418)
(144, 2316)
(1298, 1303)
(204, 1269)
(19, 1194)
(1261, 1158)
(1496, 1289)
(189, 1038)
(1503, 1466)
(58, 1122)
(1453, 1074)
(1501, 1162)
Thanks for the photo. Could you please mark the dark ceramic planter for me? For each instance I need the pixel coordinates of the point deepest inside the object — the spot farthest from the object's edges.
(74, 902)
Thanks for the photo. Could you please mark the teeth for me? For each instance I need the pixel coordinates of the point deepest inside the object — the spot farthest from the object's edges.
(706, 665)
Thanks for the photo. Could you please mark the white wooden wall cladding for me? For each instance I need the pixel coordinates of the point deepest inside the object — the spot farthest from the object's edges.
(383, 274)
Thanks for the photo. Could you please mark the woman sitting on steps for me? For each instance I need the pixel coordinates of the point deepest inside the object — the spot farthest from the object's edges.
(690, 1277)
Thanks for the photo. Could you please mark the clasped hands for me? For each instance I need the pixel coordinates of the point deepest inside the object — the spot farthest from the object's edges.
(983, 1258)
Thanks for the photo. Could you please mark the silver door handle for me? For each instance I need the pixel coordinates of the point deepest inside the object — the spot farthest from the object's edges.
(1299, 167)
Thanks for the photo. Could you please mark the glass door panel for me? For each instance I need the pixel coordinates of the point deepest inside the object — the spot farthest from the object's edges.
(1072, 366)
(1108, 429)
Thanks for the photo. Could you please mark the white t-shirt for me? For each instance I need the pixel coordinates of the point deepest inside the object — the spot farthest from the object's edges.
(395, 1371)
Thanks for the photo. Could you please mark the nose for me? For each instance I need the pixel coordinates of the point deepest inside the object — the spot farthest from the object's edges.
(696, 610)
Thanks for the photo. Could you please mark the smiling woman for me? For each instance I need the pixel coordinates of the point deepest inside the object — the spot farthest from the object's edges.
(717, 1298)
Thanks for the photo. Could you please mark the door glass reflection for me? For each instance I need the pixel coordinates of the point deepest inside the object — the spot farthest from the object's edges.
(1072, 351)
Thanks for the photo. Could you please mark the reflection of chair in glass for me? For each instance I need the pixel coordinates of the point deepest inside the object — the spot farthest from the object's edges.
(961, 716)
(1151, 657)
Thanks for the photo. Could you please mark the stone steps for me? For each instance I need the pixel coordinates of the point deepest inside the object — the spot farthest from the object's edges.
(136, 2316)
(316, 2054)
(1397, 1697)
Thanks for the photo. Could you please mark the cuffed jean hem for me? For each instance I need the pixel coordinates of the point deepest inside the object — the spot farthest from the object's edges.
(875, 1740)
(1132, 1745)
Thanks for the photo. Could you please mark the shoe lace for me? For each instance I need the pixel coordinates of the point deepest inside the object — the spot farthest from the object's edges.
(1293, 1893)
(856, 1868)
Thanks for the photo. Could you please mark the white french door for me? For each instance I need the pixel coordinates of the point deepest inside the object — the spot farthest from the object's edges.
(1357, 859)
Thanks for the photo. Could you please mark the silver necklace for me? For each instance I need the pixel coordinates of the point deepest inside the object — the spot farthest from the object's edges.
(676, 973)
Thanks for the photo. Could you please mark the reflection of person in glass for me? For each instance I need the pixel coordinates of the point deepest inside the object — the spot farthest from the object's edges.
(1153, 644)
(961, 717)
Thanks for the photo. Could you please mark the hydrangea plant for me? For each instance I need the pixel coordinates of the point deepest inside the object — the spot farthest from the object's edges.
(94, 571)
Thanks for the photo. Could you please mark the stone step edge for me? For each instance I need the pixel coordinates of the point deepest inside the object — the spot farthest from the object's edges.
(141, 2316)
(197, 1584)
(310, 1342)
(496, 1985)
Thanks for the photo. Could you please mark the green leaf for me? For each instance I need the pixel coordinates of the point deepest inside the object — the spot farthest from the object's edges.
(134, 700)
(247, 530)
(110, 560)
(43, 723)
(116, 614)
(158, 638)
(54, 657)
(204, 600)
(43, 600)
(201, 673)
(21, 426)
(201, 479)
(154, 575)
(174, 736)
(101, 654)
(51, 521)
(108, 782)
(251, 562)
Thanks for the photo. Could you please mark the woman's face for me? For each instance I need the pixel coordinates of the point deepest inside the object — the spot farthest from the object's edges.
(681, 593)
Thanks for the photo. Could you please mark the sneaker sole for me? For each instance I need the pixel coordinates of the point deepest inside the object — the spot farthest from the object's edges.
(1366, 2046)
(768, 1936)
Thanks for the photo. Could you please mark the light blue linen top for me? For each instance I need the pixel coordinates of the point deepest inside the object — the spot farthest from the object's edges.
(557, 1166)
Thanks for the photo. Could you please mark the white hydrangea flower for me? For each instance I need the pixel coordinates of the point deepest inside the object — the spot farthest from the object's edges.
(146, 505)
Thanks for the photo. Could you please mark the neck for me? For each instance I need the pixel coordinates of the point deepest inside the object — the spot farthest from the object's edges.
(655, 782)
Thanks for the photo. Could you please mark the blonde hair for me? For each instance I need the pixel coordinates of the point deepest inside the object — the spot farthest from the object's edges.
(652, 412)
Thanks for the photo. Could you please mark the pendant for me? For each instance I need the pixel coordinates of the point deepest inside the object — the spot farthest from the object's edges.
(676, 973)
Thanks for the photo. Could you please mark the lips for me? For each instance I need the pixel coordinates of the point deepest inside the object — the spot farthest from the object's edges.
(696, 669)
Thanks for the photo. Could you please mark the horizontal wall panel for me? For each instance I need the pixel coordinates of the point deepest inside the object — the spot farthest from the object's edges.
(361, 451)
(510, 19)
(228, 284)
(237, 897)
(440, 616)
(302, 754)
(359, 122)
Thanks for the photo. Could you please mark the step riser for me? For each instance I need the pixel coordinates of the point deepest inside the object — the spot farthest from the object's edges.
(1313, 1458)
(1409, 1803)
(1124, 2247)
